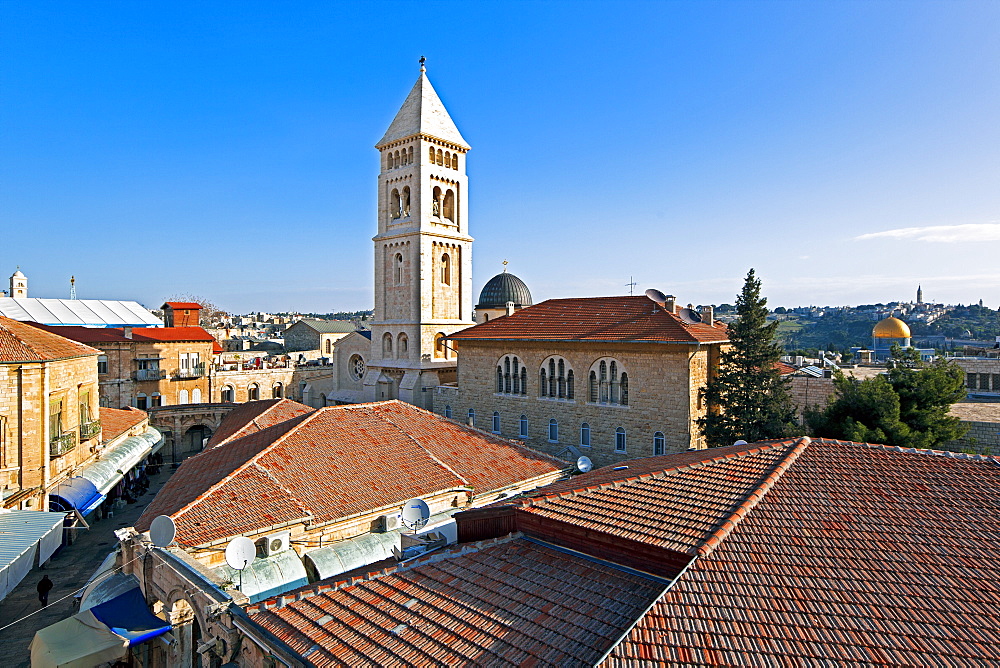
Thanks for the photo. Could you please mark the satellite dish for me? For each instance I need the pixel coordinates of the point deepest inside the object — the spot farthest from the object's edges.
(740, 442)
(657, 296)
(689, 316)
(414, 514)
(162, 531)
(583, 464)
(240, 553)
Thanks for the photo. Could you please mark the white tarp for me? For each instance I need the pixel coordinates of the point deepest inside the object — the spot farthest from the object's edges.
(86, 312)
(80, 641)
(23, 535)
(120, 459)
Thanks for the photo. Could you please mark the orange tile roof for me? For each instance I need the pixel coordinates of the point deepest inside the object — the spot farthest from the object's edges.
(618, 319)
(115, 422)
(335, 462)
(20, 342)
(182, 305)
(253, 416)
(784, 369)
(117, 334)
(506, 602)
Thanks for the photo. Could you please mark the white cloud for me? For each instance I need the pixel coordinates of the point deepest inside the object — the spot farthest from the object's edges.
(940, 233)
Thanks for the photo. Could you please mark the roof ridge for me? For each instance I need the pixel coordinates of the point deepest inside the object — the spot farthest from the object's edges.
(662, 473)
(921, 451)
(727, 525)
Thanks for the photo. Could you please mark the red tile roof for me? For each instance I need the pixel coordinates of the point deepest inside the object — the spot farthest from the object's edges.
(512, 601)
(115, 422)
(181, 305)
(253, 416)
(117, 334)
(784, 369)
(20, 342)
(335, 462)
(618, 319)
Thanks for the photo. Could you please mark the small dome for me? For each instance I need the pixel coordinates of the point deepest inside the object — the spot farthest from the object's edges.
(891, 328)
(504, 288)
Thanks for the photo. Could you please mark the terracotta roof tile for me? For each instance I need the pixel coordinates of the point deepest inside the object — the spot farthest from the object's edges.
(117, 334)
(253, 416)
(508, 602)
(21, 342)
(182, 305)
(617, 319)
(115, 422)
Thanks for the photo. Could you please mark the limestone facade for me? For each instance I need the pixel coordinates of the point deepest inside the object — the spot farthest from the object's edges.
(663, 386)
(982, 374)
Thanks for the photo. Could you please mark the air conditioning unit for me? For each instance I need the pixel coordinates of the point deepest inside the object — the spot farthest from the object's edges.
(277, 542)
(389, 522)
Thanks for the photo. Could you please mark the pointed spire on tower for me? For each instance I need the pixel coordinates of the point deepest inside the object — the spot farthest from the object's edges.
(423, 113)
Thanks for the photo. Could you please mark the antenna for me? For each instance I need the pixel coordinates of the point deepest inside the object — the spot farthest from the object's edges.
(72, 287)
(162, 531)
(240, 553)
(656, 296)
(583, 464)
(689, 316)
(414, 514)
(630, 285)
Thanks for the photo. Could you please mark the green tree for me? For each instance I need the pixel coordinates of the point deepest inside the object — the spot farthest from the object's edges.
(865, 411)
(747, 398)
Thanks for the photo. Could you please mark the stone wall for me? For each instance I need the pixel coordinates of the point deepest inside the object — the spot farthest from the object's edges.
(982, 438)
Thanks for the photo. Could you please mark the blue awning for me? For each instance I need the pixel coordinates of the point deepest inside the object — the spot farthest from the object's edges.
(128, 616)
(80, 493)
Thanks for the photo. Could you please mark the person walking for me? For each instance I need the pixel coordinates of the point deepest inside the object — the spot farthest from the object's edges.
(44, 587)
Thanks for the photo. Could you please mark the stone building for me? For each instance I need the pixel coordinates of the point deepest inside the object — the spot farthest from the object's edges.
(307, 334)
(613, 377)
(502, 295)
(423, 251)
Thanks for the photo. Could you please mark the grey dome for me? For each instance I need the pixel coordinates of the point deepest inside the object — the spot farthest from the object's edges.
(504, 288)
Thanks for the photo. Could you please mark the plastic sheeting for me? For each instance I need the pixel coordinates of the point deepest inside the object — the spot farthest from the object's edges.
(111, 586)
(80, 641)
(119, 460)
(128, 616)
(268, 576)
(86, 312)
(25, 534)
(78, 492)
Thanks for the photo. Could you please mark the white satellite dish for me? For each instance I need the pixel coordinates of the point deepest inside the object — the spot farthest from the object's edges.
(162, 531)
(657, 296)
(414, 514)
(240, 553)
(689, 316)
(583, 464)
(740, 442)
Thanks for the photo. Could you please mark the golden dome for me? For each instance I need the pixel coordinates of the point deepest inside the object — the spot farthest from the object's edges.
(891, 328)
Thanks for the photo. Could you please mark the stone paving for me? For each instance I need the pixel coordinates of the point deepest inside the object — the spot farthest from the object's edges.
(69, 570)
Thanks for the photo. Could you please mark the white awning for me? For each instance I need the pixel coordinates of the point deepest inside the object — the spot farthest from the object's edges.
(80, 641)
(119, 460)
(25, 535)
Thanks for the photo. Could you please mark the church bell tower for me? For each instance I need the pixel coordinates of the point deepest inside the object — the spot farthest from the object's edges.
(423, 251)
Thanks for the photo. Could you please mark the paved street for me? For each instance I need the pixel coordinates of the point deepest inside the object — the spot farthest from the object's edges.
(69, 570)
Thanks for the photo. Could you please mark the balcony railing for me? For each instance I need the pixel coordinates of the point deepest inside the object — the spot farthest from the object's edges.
(62, 443)
(193, 372)
(89, 430)
(150, 374)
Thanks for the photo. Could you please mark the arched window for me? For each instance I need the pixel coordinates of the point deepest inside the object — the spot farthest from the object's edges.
(569, 385)
(409, 159)
(155, 399)
(387, 345)
(395, 208)
(585, 435)
(506, 375)
(402, 346)
(524, 381)
(447, 411)
(624, 389)
(182, 397)
(277, 391)
(447, 158)
(436, 202)
(620, 439)
(446, 269)
(430, 154)
(472, 417)
(449, 205)
(454, 160)
(542, 385)
(553, 431)
(329, 346)
(399, 268)
(499, 379)
(593, 387)
(561, 384)
(609, 383)
(404, 202)
(440, 348)
(253, 392)
(228, 394)
(613, 383)
(603, 378)
(196, 395)
(440, 157)
(558, 375)
(517, 378)
(522, 427)
(552, 378)
(659, 443)
(496, 422)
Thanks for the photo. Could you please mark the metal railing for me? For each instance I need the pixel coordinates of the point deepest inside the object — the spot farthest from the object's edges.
(150, 374)
(62, 443)
(192, 372)
(90, 429)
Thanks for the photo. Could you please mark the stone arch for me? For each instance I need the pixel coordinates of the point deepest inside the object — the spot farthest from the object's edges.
(395, 209)
(387, 345)
(440, 346)
(448, 207)
(402, 346)
(277, 391)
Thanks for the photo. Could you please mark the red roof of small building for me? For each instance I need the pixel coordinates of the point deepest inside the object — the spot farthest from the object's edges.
(182, 305)
(115, 422)
(332, 463)
(20, 342)
(784, 369)
(253, 416)
(117, 334)
(618, 319)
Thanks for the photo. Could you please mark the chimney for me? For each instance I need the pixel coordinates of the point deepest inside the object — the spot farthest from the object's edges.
(127, 332)
(708, 315)
(671, 305)
(510, 308)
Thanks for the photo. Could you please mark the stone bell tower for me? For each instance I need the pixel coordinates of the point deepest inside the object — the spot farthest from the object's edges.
(19, 285)
(423, 251)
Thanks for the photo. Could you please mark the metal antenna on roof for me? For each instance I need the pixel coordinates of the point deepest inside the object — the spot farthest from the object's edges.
(72, 287)
(631, 285)
(414, 514)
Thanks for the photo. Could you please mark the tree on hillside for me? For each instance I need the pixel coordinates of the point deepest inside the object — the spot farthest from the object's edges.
(907, 407)
(747, 398)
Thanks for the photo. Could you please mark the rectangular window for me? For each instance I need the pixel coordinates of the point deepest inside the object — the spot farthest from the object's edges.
(184, 360)
(85, 406)
(55, 417)
(996, 382)
(970, 381)
(620, 440)
(155, 400)
(523, 427)
(585, 435)
(496, 423)
(984, 381)
(140, 402)
(102, 364)
(553, 431)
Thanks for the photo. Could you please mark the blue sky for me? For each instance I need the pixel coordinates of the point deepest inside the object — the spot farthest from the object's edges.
(846, 150)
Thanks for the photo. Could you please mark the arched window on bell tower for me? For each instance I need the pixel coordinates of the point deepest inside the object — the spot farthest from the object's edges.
(449, 205)
(436, 202)
(395, 209)
(398, 268)
(404, 202)
(446, 269)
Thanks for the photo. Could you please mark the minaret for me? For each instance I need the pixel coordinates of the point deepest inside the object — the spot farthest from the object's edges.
(920, 295)
(19, 285)
(423, 251)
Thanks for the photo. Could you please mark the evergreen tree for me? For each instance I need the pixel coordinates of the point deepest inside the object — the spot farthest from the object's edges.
(747, 398)
(864, 411)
